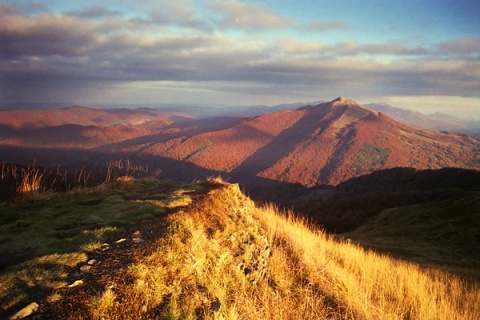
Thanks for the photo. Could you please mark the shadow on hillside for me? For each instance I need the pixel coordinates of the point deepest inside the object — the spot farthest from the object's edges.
(188, 128)
(278, 148)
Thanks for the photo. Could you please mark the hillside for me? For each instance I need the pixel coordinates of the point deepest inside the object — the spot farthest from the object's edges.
(21, 120)
(431, 233)
(356, 202)
(149, 249)
(312, 145)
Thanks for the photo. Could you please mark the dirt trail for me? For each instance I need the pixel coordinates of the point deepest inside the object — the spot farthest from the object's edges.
(108, 266)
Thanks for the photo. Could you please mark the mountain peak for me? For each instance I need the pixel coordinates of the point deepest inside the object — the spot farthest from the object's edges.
(345, 101)
(344, 110)
(342, 99)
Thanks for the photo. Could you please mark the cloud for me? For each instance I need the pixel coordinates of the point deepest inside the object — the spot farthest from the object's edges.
(393, 48)
(44, 34)
(238, 15)
(94, 12)
(180, 13)
(351, 47)
(96, 47)
(294, 46)
(6, 9)
(28, 8)
(318, 25)
(461, 46)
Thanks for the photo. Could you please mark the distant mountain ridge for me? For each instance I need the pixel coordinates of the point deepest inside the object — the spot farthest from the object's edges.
(312, 145)
(436, 121)
(79, 115)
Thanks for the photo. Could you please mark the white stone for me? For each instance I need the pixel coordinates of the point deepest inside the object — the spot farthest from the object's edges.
(92, 262)
(76, 284)
(25, 312)
(85, 268)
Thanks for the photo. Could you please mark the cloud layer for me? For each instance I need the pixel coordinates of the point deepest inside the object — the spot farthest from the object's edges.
(245, 47)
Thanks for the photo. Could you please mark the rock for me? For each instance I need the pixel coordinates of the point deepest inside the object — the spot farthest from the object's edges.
(25, 312)
(92, 262)
(105, 246)
(77, 283)
(136, 234)
(216, 304)
(85, 268)
(256, 266)
(120, 240)
(138, 240)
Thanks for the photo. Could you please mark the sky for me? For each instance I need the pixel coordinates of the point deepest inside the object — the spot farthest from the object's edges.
(422, 55)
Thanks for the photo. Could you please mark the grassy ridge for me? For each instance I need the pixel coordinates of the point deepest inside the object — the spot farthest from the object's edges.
(222, 257)
(197, 273)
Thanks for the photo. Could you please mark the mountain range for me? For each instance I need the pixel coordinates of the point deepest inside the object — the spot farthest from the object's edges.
(372, 182)
(312, 145)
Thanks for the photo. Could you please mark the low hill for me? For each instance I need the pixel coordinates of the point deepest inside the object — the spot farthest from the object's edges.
(431, 233)
(409, 179)
(357, 201)
(148, 249)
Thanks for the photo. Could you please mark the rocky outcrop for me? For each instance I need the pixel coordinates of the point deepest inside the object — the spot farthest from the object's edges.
(247, 242)
(255, 266)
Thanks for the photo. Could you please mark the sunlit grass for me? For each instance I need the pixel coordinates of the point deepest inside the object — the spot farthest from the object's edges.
(366, 285)
(196, 273)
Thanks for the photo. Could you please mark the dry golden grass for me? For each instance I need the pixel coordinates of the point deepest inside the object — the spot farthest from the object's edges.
(366, 285)
(207, 267)
(30, 183)
(198, 272)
